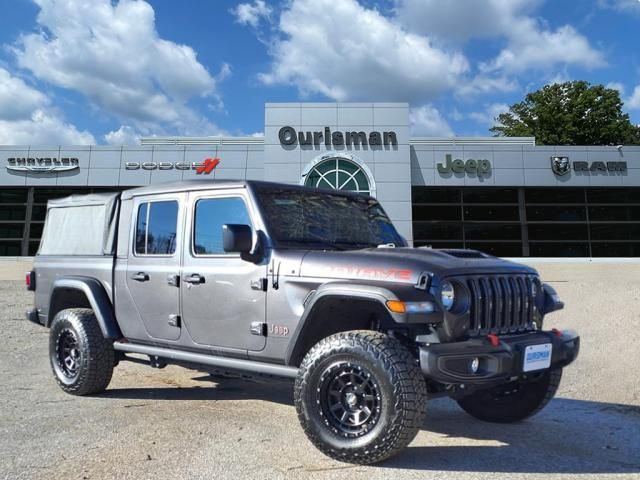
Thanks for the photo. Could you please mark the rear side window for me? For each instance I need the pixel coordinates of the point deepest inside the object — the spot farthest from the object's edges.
(156, 228)
(211, 215)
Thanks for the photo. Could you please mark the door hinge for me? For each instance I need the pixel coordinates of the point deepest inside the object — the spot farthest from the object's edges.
(259, 284)
(258, 328)
(174, 320)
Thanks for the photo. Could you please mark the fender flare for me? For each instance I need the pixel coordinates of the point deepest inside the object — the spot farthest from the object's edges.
(98, 299)
(342, 290)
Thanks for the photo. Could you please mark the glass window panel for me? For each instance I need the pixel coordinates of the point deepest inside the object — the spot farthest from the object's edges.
(498, 249)
(624, 214)
(560, 249)
(490, 195)
(10, 249)
(35, 230)
(613, 195)
(554, 195)
(436, 212)
(39, 212)
(141, 229)
(491, 212)
(211, 214)
(599, 249)
(11, 230)
(33, 247)
(557, 231)
(437, 231)
(492, 231)
(557, 213)
(615, 231)
(13, 212)
(162, 228)
(13, 195)
(435, 195)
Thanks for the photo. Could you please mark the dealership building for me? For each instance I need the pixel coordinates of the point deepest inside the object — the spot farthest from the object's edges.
(504, 196)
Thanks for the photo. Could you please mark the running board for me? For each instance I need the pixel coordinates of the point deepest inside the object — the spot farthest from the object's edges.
(210, 360)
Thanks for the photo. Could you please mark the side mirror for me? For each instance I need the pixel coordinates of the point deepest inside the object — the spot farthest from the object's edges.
(237, 238)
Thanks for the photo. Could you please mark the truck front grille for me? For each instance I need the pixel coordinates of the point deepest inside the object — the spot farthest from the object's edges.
(500, 304)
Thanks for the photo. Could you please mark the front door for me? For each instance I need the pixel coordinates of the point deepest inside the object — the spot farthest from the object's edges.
(222, 297)
(153, 266)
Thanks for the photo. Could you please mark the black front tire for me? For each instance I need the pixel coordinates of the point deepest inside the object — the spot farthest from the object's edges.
(360, 396)
(514, 401)
(81, 359)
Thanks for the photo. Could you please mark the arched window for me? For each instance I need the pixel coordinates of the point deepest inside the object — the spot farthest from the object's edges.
(339, 173)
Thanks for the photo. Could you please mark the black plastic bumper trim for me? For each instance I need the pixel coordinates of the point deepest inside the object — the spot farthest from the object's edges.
(447, 362)
(32, 316)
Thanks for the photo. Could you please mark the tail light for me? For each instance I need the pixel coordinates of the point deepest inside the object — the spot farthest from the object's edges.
(30, 280)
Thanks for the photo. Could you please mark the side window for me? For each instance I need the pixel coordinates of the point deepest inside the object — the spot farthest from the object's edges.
(210, 215)
(156, 228)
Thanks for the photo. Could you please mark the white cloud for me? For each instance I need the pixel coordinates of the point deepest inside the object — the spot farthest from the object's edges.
(125, 135)
(251, 14)
(427, 120)
(623, 6)
(346, 51)
(633, 102)
(490, 114)
(42, 128)
(27, 117)
(17, 99)
(616, 86)
(113, 55)
(483, 84)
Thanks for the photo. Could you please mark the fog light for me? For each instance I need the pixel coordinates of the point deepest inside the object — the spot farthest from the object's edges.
(474, 365)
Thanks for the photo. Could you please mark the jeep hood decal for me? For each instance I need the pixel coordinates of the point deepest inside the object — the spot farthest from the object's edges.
(402, 265)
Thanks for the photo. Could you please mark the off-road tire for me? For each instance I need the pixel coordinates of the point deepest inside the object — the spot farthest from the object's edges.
(381, 361)
(91, 372)
(514, 401)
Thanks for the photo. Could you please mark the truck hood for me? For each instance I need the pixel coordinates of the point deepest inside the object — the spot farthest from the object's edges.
(403, 265)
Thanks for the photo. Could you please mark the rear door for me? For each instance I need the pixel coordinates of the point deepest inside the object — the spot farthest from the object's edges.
(153, 266)
(222, 296)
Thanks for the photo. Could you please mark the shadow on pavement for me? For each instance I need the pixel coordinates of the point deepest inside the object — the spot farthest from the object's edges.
(569, 436)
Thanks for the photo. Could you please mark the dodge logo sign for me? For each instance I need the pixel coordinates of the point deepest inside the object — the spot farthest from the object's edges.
(560, 165)
(42, 164)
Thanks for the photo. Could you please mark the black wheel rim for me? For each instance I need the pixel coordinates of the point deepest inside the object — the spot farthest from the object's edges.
(68, 354)
(349, 399)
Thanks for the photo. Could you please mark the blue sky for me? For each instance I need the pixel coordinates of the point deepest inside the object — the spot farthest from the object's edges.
(100, 71)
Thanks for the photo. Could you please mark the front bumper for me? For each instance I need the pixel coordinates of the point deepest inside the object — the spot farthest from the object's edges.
(449, 362)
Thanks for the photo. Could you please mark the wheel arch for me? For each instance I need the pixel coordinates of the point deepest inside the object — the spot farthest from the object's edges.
(84, 292)
(335, 308)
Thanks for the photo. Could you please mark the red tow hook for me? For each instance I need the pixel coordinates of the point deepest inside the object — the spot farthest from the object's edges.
(556, 332)
(494, 339)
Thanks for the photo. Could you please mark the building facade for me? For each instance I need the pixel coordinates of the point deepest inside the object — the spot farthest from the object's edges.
(504, 196)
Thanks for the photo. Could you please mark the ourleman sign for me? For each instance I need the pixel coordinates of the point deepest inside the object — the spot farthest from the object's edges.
(562, 166)
(470, 166)
(288, 136)
(42, 164)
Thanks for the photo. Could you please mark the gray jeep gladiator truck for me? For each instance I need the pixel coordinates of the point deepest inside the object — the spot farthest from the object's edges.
(315, 285)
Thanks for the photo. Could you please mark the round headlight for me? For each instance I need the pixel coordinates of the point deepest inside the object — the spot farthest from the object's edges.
(447, 295)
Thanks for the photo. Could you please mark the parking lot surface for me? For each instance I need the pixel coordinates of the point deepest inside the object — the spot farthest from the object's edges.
(176, 423)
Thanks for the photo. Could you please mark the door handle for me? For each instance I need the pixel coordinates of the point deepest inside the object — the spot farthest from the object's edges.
(140, 277)
(194, 278)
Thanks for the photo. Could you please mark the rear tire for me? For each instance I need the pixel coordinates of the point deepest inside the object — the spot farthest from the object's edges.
(81, 359)
(514, 401)
(360, 396)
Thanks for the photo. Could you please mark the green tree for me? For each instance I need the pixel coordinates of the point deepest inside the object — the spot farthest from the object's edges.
(570, 113)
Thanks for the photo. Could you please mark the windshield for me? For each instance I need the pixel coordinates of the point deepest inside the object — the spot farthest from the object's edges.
(310, 219)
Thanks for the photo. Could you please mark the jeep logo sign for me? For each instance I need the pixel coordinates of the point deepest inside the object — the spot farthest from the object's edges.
(470, 167)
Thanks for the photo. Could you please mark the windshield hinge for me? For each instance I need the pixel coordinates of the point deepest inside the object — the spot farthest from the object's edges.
(424, 281)
(259, 284)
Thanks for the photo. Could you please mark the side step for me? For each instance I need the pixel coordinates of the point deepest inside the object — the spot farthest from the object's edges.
(210, 360)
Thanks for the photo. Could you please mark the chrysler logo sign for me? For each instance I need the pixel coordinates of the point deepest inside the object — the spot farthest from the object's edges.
(42, 164)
